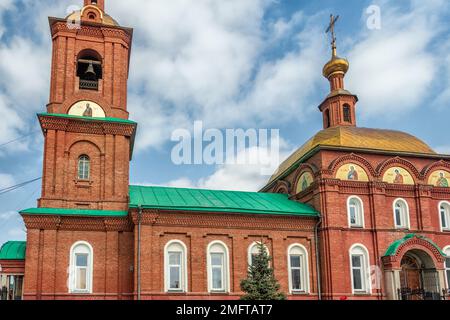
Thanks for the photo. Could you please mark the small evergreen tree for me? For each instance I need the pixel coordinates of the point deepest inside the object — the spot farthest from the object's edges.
(261, 283)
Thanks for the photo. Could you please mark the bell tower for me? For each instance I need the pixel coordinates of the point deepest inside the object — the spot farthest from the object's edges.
(88, 136)
(339, 107)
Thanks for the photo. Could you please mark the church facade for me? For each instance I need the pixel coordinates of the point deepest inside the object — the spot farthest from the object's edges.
(355, 213)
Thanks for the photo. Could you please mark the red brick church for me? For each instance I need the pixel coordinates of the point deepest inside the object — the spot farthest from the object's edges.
(355, 213)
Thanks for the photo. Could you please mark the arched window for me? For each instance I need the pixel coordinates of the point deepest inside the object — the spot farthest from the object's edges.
(359, 264)
(444, 211)
(355, 211)
(81, 262)
(298, 269)
(84, 167)
(327, 119)
(218, 271)
(401, 214)
(89, 68)
(347, 113)
(447, 266)
(175, 267)
(253, 251)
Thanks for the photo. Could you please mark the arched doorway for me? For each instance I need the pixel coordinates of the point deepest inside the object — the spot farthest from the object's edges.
(419, 278)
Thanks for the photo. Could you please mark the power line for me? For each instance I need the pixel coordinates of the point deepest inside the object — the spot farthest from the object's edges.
(18, 186)
(18, 139)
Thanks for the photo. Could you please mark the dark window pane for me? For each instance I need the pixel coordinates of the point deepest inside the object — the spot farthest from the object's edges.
(295, 261)
(357, 281)
(217, 278)
(356, 261)
(82, 260)
(296, 279)
(175, 277)
(216, 259)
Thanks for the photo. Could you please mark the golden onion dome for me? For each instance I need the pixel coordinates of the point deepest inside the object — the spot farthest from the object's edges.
(107, 19)
(336, 65)
(361, 139)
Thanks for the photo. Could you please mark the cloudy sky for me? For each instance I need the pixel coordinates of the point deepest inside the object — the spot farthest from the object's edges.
(231, 64)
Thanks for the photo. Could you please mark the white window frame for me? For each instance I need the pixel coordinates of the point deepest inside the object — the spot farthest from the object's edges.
(84, 163)
(360, 212)
(250, 249)
(446, 206)
(447, 268)
(304, 269)
(73, 268)
(183, 273)
(406, 223)
(361, 250)
(225, 267)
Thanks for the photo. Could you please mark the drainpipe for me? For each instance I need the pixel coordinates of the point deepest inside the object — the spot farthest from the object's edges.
(139, 254)
(316, 241)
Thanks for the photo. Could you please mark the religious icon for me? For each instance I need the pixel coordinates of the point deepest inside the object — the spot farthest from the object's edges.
(398, 177)
(352, 174)
(304, 183)
(442, 181)
(88, 111)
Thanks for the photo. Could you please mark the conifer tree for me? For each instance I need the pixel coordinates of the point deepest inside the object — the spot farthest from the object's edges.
(261, 283)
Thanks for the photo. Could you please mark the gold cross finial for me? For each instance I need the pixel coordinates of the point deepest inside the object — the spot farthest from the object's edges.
(330, 29)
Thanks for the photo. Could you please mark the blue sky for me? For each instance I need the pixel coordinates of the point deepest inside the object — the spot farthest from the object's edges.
(232, 64)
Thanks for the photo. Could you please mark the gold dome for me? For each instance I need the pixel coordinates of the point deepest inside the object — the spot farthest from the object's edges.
(107, 19)
(336, 65)
(357, 138)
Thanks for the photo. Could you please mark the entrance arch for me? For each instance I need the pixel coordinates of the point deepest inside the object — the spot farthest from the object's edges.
(419, 278)
(413, 269)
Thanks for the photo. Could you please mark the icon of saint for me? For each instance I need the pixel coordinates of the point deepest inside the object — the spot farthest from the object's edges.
(352, 174)
(398, 177)
(442, 181)
(304, 183)
(88, 111)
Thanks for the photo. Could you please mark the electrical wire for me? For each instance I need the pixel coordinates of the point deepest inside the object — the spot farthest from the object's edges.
(18, 186)
(18, 139)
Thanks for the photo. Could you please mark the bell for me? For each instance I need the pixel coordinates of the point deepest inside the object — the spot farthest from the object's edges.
(90, 73)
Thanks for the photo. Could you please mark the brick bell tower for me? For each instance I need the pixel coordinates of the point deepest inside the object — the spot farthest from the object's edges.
(88, 137)
(339, 107)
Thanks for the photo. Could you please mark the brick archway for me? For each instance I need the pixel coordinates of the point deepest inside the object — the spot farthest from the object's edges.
(398, 249)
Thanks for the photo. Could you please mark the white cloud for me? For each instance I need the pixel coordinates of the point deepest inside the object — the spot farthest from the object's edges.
(6, 180)
(442, 149)
(17, 234)
(394, 68)
(7, 215)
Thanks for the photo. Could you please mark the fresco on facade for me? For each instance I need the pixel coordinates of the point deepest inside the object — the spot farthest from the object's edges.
(398, 175)
(306, 179)
(440, 179)
(352, 172)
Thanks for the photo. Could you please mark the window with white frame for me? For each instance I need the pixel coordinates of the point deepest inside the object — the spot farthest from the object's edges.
(218, 267)
(253, 251)
(298, 269)
(444, 211)
(355, 212)
(81, 262)
(401, 214)
(175, 267)
(84, 167)
(359, 264)
(447, 266)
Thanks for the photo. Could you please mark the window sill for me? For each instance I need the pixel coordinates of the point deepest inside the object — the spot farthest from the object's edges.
(362, 294)
(300, 293)
(357, 227)
(80, 293)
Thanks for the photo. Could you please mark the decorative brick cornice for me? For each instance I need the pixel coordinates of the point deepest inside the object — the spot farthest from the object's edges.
(91, 126)
(77, 223)
(92, 31)
(225, 221)
(282, 186)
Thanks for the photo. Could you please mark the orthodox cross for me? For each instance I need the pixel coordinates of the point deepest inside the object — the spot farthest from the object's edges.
(330, 29)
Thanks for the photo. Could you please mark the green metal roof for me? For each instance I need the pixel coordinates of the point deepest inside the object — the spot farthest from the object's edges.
(392, 250)
(13, 250)
(74, 212)
(66, 116)
(217, 201)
